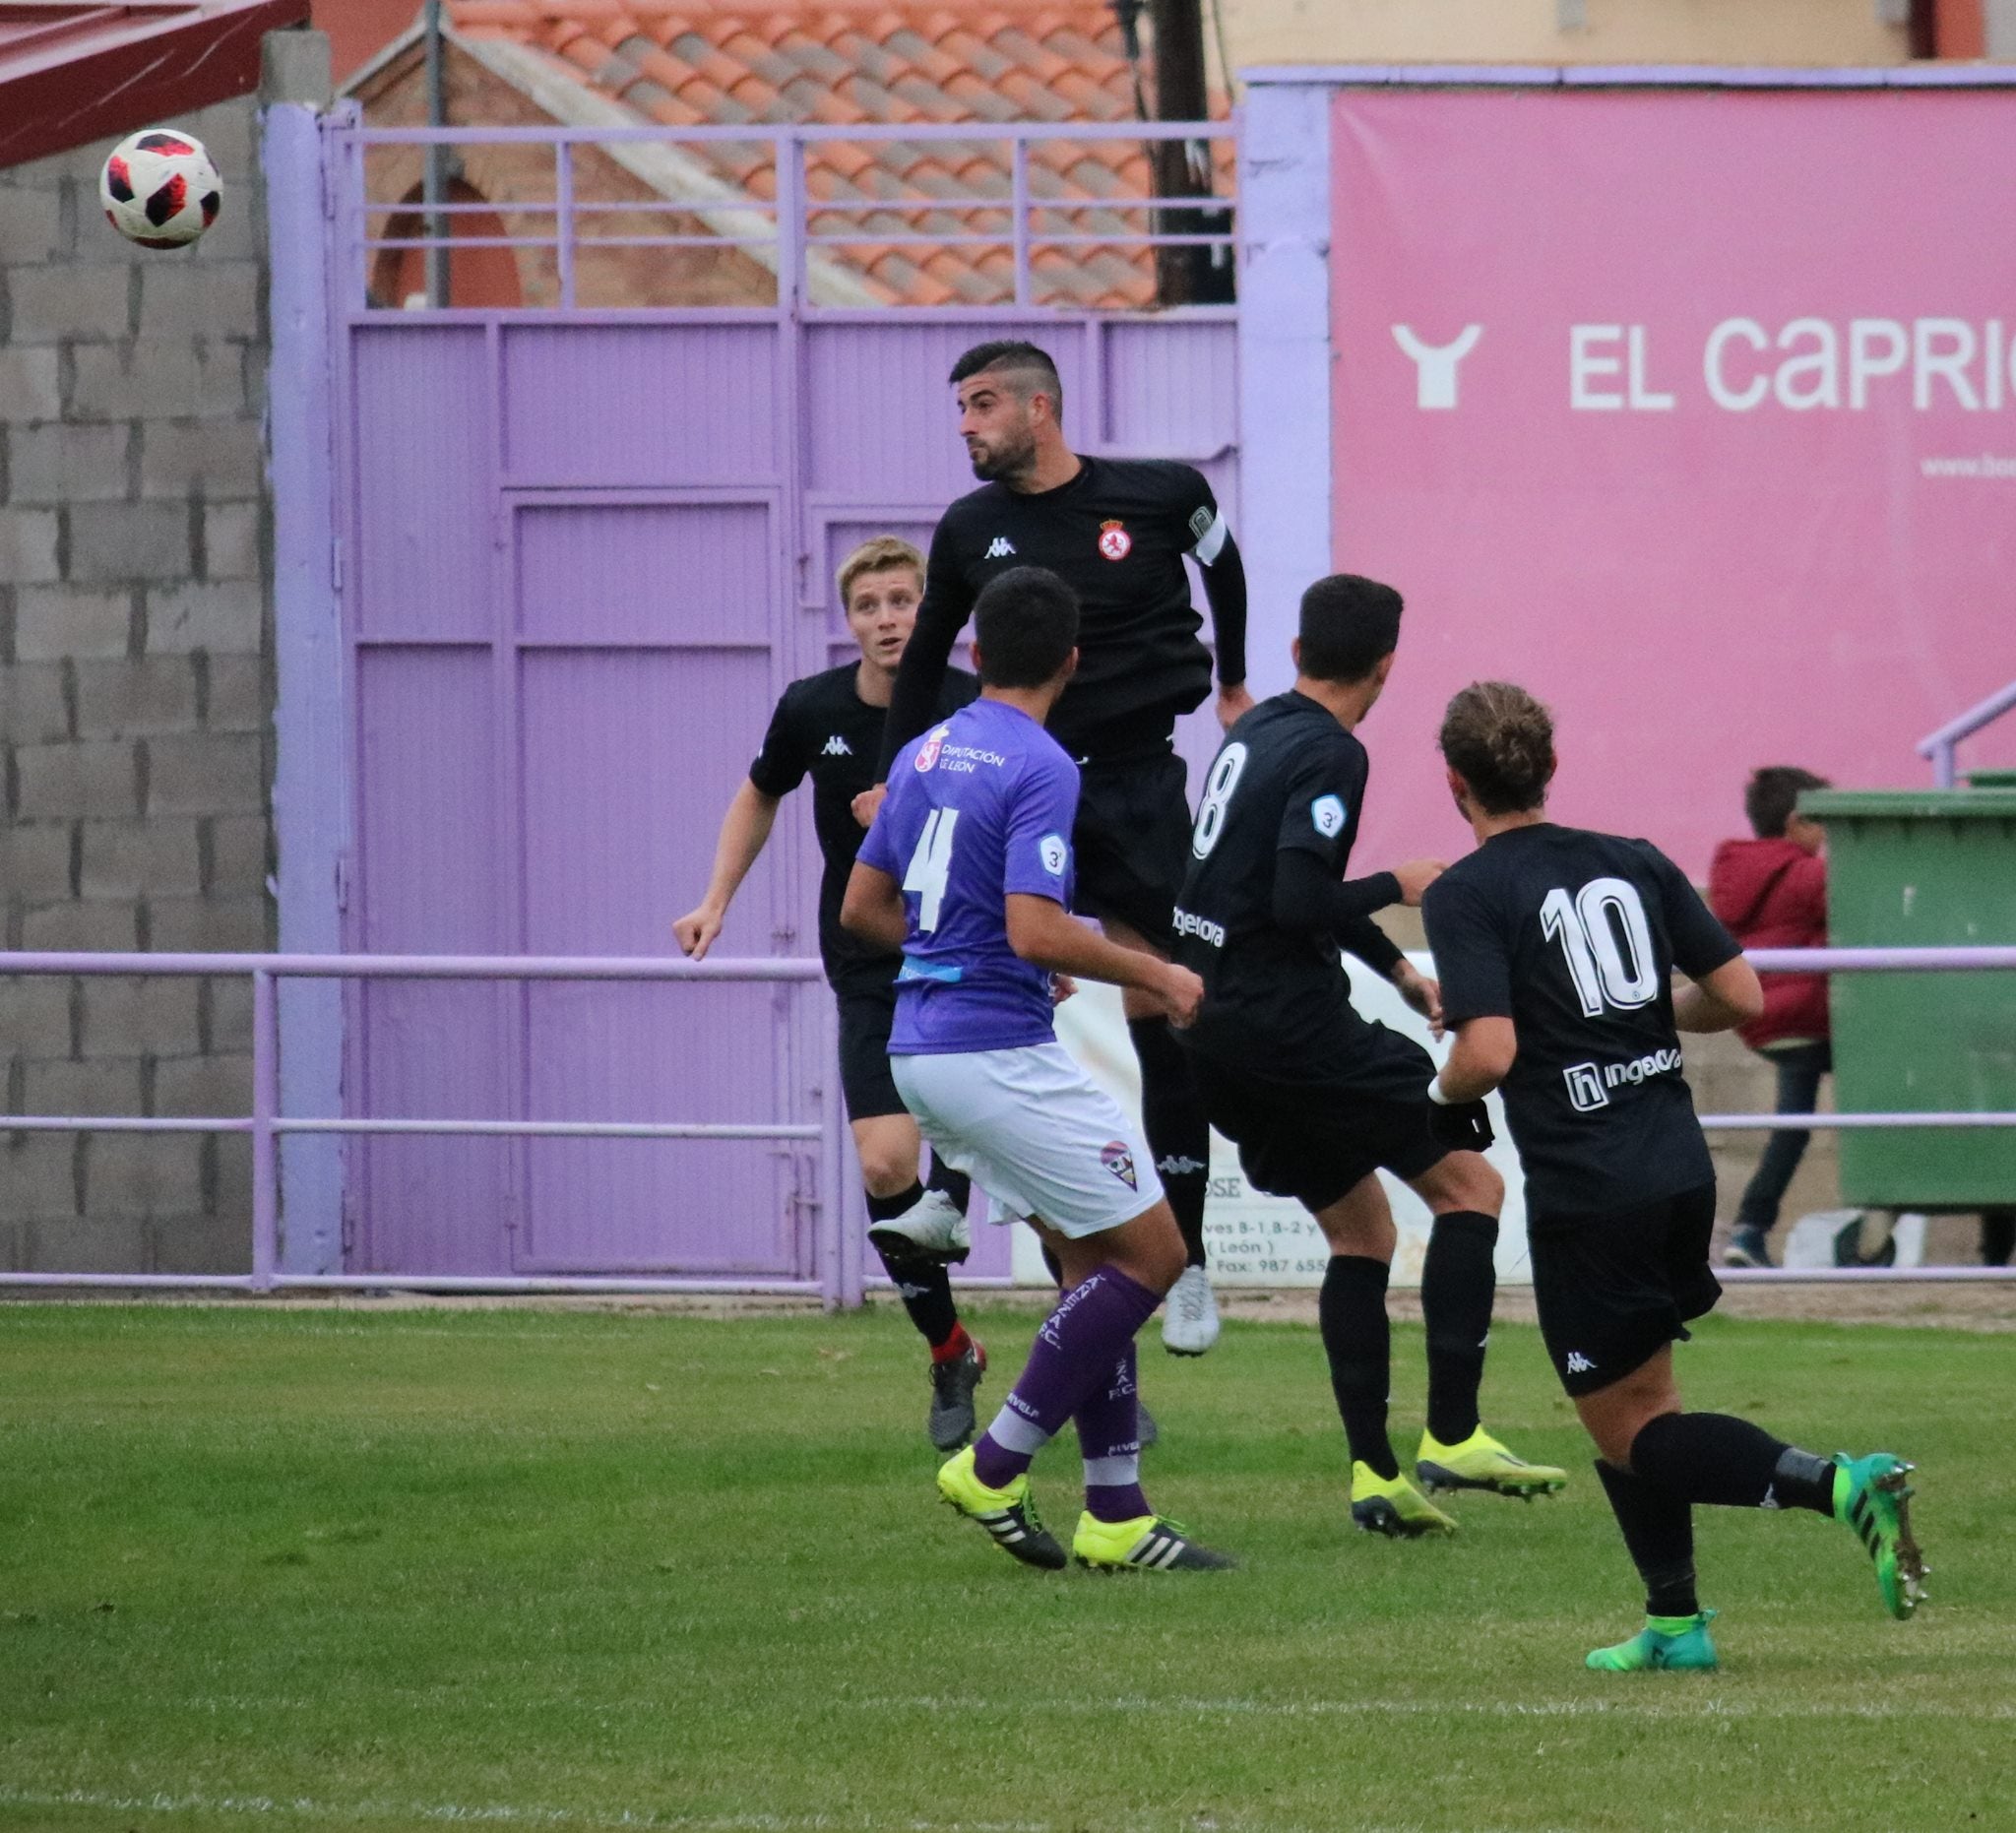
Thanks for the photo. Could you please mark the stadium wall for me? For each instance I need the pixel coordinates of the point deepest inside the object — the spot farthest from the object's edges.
(136, 698)
(1344, 464)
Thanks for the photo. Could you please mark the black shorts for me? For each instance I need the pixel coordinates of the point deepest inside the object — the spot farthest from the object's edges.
(1132, 839)
(1612, 1290)
(1313, 1141)
(866, 1015)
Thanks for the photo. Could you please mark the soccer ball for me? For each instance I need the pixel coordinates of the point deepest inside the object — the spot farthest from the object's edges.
(160, 188)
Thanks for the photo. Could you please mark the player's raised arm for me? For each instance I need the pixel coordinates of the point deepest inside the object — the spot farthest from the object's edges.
(744, 832)
(1225, 591)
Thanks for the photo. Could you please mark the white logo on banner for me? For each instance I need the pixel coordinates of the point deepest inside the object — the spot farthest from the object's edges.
(1435, 363)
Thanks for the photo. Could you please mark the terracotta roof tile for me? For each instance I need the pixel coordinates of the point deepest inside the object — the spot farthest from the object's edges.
(686, 63)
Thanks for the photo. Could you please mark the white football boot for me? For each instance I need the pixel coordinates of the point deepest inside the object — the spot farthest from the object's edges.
(1189, 1318)
(933, 1226)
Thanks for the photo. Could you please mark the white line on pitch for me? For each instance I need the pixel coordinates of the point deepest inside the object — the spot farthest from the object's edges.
(501, 1813)
(634, 1820)
(1430, 1707)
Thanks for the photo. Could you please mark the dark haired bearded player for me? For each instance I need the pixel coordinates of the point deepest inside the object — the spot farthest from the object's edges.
(1116, 531)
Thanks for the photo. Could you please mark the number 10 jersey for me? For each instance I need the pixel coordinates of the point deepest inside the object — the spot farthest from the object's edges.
(1574, 936)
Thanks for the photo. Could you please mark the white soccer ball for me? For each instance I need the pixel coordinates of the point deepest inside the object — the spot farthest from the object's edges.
(160, 188)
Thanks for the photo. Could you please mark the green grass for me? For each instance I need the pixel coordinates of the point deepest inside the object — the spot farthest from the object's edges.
(538, 1570)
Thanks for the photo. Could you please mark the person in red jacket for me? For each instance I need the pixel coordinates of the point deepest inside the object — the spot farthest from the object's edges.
(1771, 892)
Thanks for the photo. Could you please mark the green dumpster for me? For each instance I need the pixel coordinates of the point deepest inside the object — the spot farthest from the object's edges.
(1921, 868)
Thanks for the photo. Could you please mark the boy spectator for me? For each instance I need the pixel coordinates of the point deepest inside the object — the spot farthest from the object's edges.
(1771, 892)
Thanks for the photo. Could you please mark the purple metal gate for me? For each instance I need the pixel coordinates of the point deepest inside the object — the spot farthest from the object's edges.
(580, 552)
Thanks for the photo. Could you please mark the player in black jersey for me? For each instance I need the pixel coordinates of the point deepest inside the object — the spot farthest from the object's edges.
(1116, 531)
(830, 724)
(1316, 1098)
(1556, 949)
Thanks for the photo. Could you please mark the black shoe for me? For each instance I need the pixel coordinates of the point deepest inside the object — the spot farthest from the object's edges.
(951, 1420)
(1747, 1248)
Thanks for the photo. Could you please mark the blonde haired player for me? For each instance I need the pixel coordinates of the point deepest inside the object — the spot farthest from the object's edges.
(829, 726)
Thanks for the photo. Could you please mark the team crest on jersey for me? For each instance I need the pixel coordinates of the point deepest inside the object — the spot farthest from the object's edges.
(1115, 542)
(1116, 1156)
(927, 752)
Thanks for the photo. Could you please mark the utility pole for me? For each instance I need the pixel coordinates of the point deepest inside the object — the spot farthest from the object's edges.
(1184, 274)
(434, 175)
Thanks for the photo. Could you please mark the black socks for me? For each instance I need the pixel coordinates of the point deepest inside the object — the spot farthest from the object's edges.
(1179, 1133)
(1659, 1533)
(921, 1283)
(888, 1208)
(1729, 1463)
(1457, 1284)
(1359, 1343)
(955, 1185)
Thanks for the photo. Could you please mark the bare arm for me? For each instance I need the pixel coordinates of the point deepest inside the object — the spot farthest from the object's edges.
(744, 832)
(1730, 996)
(1047, 935)
(1482, 1057)
(873, 907)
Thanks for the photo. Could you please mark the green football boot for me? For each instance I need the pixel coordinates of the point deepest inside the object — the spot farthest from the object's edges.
(1872, 1497)
(1481, 1462)
(1667, 1644)
(1393, 1507)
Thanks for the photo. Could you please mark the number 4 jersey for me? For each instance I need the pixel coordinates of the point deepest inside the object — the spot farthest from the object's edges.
(1574, 936)
(978, 807)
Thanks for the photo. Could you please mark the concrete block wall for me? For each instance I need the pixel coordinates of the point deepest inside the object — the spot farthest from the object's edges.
(136, 704)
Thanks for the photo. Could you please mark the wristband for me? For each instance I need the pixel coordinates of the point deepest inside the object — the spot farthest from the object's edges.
(1436, 1094)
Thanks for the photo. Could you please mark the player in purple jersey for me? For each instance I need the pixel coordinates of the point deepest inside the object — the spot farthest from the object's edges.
(967, 867)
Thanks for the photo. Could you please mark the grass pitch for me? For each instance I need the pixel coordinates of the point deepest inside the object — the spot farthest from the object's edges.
(512, 1568)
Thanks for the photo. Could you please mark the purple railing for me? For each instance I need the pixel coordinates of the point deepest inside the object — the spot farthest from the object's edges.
(839, 1281)
(784, 231)
(1940, 746)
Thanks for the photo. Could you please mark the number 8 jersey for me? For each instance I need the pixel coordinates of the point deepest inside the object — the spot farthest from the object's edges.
(1574, 936)
(978, 807)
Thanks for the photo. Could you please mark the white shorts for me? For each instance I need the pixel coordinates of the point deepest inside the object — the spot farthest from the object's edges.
(1030, 1128)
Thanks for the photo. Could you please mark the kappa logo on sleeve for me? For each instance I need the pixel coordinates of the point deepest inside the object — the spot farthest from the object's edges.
(1327, 812)
(1055, 854)
(927, 752)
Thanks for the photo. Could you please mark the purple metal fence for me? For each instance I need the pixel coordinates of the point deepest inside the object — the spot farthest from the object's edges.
(827, 1243)
(579, 552)
(834, 1237)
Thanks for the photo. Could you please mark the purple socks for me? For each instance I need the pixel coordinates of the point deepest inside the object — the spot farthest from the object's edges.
(1082, 1364)
(1109, 1439)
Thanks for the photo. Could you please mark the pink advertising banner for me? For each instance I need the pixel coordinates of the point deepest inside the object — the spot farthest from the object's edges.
(1694, 413)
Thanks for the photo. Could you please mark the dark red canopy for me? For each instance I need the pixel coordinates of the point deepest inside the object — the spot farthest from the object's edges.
(72, 73)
